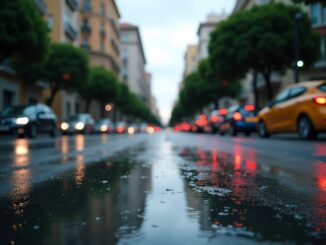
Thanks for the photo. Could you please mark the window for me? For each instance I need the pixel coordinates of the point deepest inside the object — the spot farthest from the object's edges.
(85, 22)
(102, 10)
(315, 14)
(295, 92)
(281, 96)
(8, 98)
(102, 46)
(87, 6)
(50, 22)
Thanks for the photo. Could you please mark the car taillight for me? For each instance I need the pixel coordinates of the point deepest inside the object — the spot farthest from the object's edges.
(223, 112)
(249, 107)
(215, 119)
(320, 100)
(237, 116)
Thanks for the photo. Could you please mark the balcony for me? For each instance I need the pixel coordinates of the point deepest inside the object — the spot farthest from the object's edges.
(41, 6)
(70, 31)
(73, 4)
(102, 33)
(86, 29)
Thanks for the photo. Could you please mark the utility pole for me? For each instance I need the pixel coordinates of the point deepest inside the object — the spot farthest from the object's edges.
(297, 62)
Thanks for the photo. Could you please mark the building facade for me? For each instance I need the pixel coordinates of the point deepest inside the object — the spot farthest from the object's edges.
(190, 60)
(204, 31)
(133, 61)
(100, 33)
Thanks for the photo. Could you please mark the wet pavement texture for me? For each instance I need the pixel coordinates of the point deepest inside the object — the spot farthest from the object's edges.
(163, 189)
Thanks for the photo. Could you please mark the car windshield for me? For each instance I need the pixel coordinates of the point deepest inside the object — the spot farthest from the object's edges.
(13, 111)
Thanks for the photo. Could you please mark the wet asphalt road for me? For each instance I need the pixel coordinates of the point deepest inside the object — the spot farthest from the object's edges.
(165, 188)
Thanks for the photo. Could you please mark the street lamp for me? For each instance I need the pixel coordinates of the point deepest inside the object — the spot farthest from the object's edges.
(297, 63)
(109, 107)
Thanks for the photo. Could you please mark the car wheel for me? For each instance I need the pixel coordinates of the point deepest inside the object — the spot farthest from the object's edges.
(32, 132)
(262, 130)
(306, 129)
(54, 131)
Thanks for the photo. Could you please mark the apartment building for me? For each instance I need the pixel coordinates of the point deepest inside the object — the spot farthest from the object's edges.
(318, 71)
(133, 61)
(190, 60)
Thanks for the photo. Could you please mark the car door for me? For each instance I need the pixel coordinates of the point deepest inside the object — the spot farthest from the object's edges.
(274, 119)
(289, 109)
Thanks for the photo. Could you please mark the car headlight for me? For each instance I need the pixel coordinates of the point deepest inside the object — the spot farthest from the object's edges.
(131, 130)
(64, 126)
(104, 128)
(22, 120)
(79, 126)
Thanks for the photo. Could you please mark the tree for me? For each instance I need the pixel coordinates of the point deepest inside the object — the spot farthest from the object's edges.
(23, 33)
(102, 85)
(66, 68)
(261, 40)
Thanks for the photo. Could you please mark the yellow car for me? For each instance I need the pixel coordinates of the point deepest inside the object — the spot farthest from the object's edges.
(298, 108)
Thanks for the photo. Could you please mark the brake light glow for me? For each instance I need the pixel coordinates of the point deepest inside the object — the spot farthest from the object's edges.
(223, 112)
(215, 119)
(237, 116)
(320, 100)
(249, 107)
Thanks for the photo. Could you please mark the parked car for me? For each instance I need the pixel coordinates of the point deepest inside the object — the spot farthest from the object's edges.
(298, 108)
(81, 123)
(240, 118)
(28, 120)
(121, 127)
(216, 118)
(104, 125)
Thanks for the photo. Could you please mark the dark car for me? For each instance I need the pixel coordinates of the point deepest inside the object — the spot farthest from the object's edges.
(81, 123)
(28, 120)
(216, 118)
(240, 118)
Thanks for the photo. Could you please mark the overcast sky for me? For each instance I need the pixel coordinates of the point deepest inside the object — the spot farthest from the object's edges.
(167, 27)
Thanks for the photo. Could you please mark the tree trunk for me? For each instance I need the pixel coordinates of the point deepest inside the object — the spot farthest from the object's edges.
(53, 93)
(267, 76)
(88, 105)
(255, 89)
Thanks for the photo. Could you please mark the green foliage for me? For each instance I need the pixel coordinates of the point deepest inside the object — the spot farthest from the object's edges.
(23, 33)
(261, 39)
(66, 68)
(131, 105)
